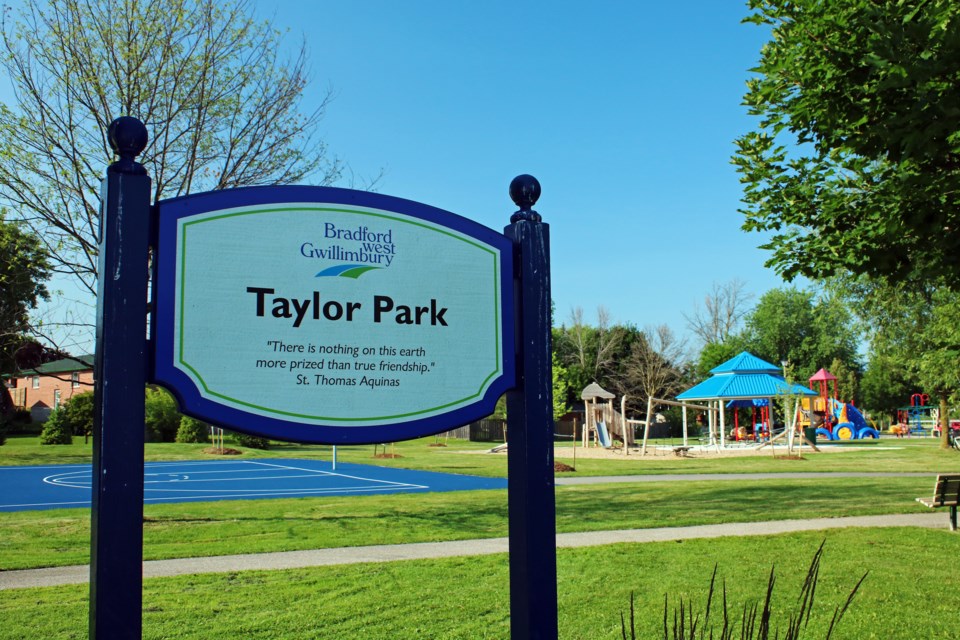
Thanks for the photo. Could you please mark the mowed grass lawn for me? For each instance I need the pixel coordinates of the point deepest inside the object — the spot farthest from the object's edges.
(909, 593)
(906, 596)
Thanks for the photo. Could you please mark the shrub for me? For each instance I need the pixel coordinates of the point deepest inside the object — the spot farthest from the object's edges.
(56, 430)
(77, 413)
(17, 421)
(162, 419)
(251, 442)
(193, 430)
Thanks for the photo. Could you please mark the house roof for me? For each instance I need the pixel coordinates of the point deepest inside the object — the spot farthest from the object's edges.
(65, 365)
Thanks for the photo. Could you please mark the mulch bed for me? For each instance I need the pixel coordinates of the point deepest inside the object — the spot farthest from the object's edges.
(222, 452)
(561, 466)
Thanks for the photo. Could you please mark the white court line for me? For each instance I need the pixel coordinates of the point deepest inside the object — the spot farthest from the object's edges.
(378, 485)
(304, 492)
(342, 475)
(63, 480)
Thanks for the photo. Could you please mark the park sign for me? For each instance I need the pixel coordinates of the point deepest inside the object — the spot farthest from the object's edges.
(316, 315)
(327, 315)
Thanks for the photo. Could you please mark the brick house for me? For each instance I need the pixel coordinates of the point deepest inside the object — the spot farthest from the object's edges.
(45, 388)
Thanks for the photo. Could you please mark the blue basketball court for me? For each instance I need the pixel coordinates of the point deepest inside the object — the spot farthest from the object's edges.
(69, 486)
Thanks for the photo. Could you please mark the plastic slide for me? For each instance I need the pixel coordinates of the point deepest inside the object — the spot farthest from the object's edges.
(824, 433)
(851, 423)
(854, 416)
(603, 435)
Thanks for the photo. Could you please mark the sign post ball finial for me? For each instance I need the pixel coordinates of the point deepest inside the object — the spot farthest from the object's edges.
(525, 191)
(128, 137)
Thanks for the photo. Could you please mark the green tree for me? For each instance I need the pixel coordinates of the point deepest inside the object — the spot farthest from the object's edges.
(560, 387)
(913, 334)
(161, 415)
(56, 430)
(713, 354)
(192, 430)
(653, 368)
(887, 383)
(221, 101)
(807, 331)
(23, 273)
(592, 353)
(855, 164)
(77, 414)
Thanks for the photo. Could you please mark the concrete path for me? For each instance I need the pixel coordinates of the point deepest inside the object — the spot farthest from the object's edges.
(802, 475)
(388, 553)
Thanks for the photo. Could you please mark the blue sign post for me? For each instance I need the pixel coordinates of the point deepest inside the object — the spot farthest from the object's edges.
(317, 315)
(116, 526)
(533, 557)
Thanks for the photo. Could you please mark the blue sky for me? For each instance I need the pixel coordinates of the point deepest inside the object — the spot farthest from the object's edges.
(626, 111)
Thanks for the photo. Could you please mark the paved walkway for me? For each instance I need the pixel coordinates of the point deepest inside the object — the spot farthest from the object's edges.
(388, 553)
(690, 477)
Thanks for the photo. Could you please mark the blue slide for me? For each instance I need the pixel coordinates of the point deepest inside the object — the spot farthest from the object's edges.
(854, 416)
(603, 435)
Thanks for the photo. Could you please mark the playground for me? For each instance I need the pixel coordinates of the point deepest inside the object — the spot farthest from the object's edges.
(747, 407)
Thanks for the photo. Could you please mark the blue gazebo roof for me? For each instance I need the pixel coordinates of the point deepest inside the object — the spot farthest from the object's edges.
(746, 362)
(744, 377)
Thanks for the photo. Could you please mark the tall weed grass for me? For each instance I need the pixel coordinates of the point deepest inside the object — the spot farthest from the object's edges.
(751, 622)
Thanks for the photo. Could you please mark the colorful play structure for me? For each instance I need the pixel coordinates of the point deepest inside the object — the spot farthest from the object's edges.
(832, 418)
(919, 418)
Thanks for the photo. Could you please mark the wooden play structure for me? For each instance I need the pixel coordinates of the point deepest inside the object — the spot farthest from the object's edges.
(601, 421)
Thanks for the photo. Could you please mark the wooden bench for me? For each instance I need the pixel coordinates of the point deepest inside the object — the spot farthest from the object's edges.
(681, 452)
(946, 493)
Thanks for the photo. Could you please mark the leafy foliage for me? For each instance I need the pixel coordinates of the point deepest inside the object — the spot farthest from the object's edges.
(914, 340)
(193, 430)
(855, 166)
(621, 358)
(23, 272)
(162, 418)
(807, 331)
(56, 429)
(559, 388)
(250, 441)
(77, 414)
